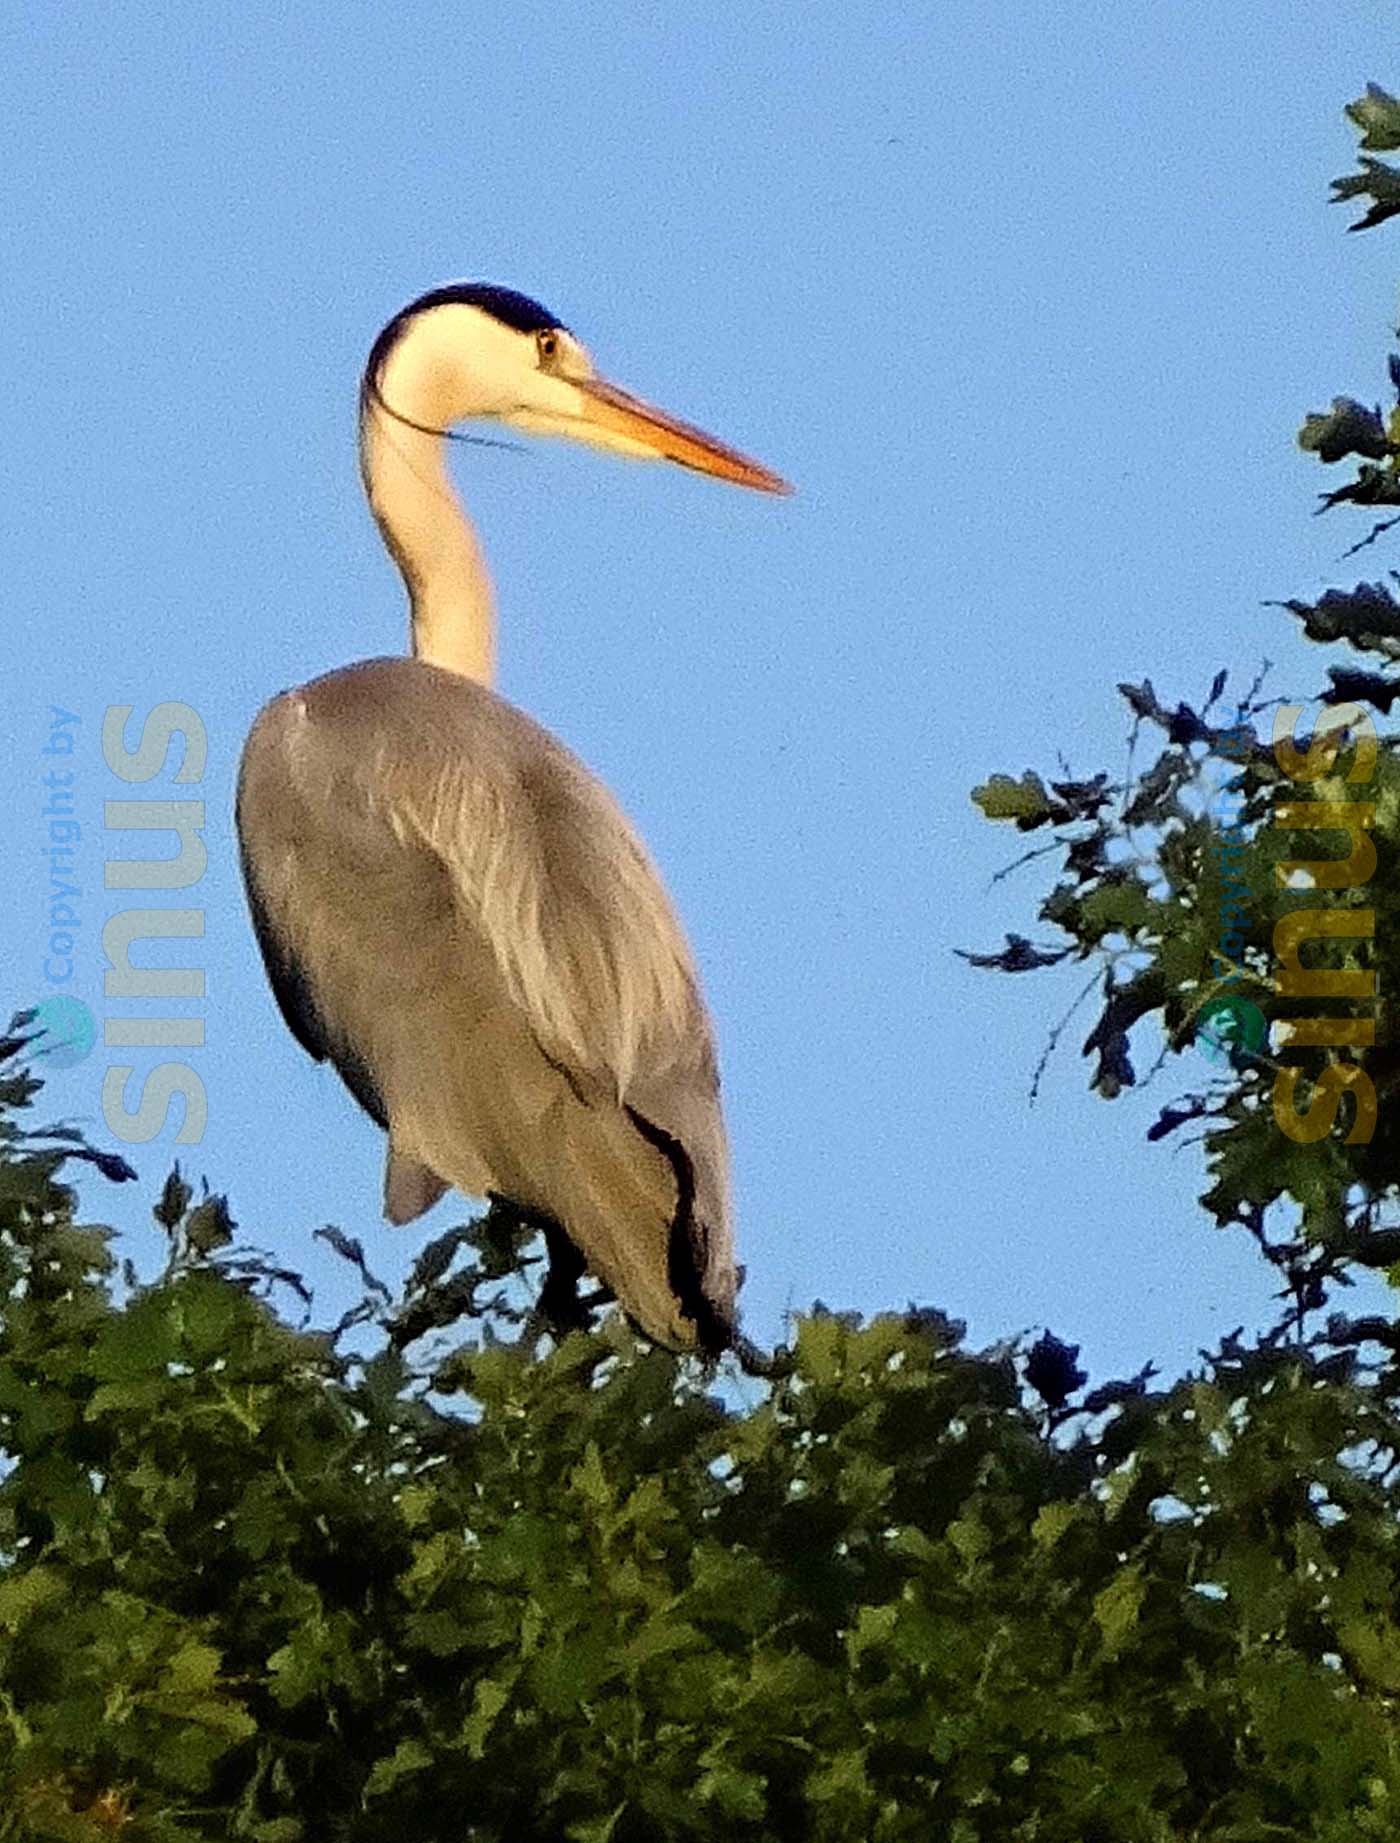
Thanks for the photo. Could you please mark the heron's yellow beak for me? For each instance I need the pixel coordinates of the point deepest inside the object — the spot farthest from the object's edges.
(623, 422)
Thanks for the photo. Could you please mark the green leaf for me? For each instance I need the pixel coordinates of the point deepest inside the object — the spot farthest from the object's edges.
(24, 1594)
(210, 1308)
(821, 1343)
(142, 1341)
(1116, 908)
(590, 1480)
(1376, 181)
(1025, 801)
(873, 1629)
(193, 1669)
(1116, 1608)
(1052, 1521)
(1347, 428)
(432, 1561)
(1374, 1648)
(139, 1396)
(174, 1201)
(410, 1756)
(842, 1781)
(1377, 115)
(596, 1829)
(738, 1795)
(220, 1716)
(210, 1226)
(971, 1538)
(488, 1699)
(662, 1635)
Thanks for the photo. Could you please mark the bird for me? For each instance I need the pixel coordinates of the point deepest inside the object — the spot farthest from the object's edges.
(452, 910)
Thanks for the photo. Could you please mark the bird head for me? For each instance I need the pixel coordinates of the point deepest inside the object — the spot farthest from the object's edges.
(471, 351)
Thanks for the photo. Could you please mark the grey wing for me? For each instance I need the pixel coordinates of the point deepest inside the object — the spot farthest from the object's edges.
(296, 999)
(590, 949)
(446, 887)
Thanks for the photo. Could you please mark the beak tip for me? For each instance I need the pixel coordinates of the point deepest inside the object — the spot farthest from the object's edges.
(766, 481)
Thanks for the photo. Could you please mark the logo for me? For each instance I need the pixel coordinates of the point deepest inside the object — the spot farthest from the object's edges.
(64, 1032)
(1230, 1027)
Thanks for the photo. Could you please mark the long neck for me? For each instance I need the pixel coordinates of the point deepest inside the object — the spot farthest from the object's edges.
(452, 608)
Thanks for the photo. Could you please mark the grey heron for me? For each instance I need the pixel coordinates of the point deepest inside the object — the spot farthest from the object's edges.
(451, 908)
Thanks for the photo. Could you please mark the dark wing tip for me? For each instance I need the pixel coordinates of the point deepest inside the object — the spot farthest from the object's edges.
(687, 1246)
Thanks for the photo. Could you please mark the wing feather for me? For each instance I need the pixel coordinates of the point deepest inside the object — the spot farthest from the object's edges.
(544, 863)
(401, 825)
(296, 998)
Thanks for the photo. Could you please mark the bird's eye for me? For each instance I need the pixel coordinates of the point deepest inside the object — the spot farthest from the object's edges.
(547, 345)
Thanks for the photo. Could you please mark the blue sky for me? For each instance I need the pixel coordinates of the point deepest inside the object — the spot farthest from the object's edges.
(1028, 303)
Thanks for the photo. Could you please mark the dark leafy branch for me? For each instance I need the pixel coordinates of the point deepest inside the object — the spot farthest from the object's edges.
(1179, 882)
(261, 1583)
(1377, 115)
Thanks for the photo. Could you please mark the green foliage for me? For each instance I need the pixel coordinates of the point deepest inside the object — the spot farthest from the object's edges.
(1377, 115)
(257, 1585)
(1347, 428)
(1179, 883)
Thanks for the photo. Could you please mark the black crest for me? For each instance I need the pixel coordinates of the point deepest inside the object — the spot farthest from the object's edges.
(511, 308)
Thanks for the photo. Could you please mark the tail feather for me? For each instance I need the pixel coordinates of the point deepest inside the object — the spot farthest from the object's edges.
(410, 1187)
(688, 1246)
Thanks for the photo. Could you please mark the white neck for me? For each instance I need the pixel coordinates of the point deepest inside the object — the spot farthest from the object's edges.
(421, 519)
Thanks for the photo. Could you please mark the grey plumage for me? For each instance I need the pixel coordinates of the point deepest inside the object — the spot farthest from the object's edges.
(452, 910)
(458, 916)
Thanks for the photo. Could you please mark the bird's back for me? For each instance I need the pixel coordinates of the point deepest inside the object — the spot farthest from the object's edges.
(458, 915)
